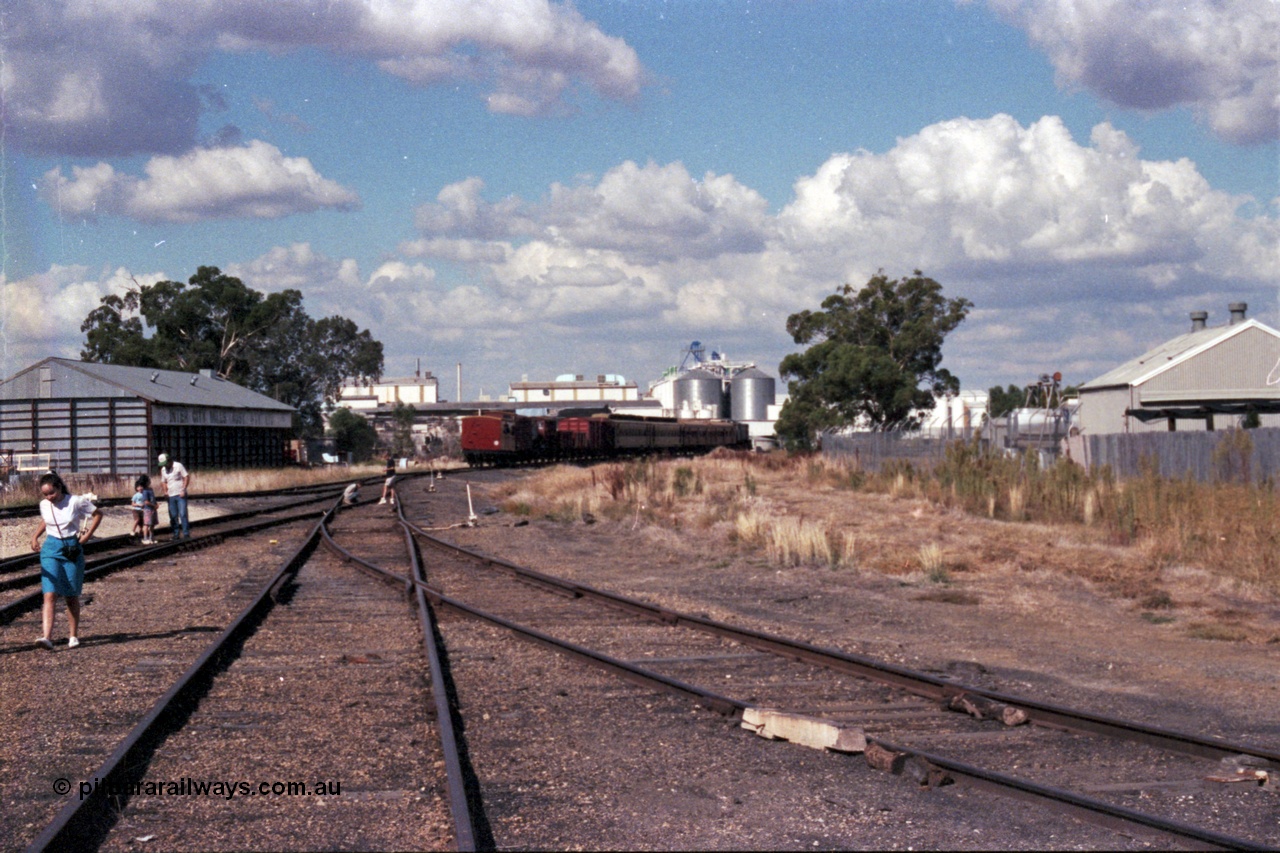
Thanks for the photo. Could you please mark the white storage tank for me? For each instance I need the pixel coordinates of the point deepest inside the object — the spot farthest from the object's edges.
(699, 393)
(751, 393)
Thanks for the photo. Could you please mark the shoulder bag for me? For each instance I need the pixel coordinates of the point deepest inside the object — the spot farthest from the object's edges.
(72, 551)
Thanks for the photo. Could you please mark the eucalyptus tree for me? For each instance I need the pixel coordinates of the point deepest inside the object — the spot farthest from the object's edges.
(874, 358)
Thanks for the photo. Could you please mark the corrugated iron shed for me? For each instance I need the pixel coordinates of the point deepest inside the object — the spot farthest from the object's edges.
(110, 418)
(1226, 371)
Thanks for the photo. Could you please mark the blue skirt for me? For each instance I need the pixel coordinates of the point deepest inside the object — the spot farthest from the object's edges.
(58, 574)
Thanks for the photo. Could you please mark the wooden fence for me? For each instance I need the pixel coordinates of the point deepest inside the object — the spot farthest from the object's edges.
(870, 451)
(1220, 456)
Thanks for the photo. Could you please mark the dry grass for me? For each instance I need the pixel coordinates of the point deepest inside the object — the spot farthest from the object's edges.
(793, 511)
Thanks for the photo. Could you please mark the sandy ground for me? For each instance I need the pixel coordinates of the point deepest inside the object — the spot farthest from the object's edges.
(15, 536)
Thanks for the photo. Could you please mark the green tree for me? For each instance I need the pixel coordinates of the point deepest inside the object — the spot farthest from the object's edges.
(266, 342)
(402, 417)
(352, 434)
(308, 360)
(874, 356)
(1001, 401)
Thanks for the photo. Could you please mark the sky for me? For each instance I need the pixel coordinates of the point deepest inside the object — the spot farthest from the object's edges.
(530, 189)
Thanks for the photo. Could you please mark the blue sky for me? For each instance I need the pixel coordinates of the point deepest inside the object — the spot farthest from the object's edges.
(533, 189)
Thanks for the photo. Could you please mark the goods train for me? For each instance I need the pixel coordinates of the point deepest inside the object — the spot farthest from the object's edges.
(504, 438)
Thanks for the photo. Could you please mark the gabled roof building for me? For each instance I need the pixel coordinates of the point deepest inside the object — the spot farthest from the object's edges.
(1209, 378)
(82, 417)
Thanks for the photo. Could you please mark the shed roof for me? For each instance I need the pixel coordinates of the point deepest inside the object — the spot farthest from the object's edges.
(1170, 354)
(166, 387)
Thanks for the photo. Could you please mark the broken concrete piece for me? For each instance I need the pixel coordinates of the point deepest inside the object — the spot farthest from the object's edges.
(809, 731)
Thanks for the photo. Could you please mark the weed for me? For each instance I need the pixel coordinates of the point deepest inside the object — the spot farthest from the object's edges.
(949, 596)
(1215, 631)
(848, 555)
(1227, 527)
(1017, 502)
(685, 482)
(932, 564)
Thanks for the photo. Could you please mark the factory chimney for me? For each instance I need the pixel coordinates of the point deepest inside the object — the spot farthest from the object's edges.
(1198, 319)
(1237, 310)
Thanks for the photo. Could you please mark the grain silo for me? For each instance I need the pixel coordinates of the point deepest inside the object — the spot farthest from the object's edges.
(751, 393)
(699, 393)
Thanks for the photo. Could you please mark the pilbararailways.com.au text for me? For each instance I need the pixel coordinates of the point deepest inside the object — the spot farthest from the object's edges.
(188, 787)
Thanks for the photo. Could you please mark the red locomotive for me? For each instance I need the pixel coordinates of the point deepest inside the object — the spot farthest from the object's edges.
(504, 438)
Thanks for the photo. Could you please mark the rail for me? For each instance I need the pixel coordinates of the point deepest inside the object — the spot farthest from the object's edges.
(82, 824)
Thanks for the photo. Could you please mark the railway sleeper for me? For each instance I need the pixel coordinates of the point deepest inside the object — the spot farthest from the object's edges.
(923, 772)
(982, 708)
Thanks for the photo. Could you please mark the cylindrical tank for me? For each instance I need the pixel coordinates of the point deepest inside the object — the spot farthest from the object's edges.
(1031, 422)
(751, 392)
(699, 393)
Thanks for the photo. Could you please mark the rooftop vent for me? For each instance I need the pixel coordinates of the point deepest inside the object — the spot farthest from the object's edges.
(155, 376)
(1237, 310)
(193, 379)
(1198, 319)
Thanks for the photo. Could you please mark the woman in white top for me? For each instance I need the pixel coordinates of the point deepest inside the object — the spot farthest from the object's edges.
(62, 557)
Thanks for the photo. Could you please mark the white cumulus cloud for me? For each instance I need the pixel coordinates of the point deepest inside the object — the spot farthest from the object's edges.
(114, 77)
(990, 195)
(1055, 239)
(647, 214)
(254, 181)
(1220, 57)
(40, 316)
(1077, 254)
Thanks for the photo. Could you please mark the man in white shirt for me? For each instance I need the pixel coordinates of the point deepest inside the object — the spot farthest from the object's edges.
(176, 478)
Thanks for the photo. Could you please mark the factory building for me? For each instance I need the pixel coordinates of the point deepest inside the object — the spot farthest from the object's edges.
(574, 388)
(955, 416)
(82, 417)
(410, 390)
(1209, 378)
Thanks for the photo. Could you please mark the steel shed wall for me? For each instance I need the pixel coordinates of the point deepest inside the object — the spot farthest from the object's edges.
(1240, 362)
(92, 418)
(95, 436)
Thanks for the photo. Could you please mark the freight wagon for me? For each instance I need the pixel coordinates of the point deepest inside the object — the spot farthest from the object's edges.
(503, 438)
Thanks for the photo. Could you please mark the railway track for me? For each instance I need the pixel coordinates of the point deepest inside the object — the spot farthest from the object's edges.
(1121, 772)
(309, 706)
(316, 675)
